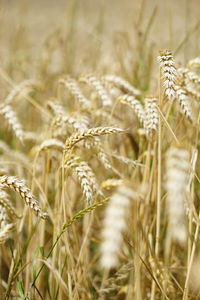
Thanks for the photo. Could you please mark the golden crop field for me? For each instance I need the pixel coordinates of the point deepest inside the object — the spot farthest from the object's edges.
(99, 140)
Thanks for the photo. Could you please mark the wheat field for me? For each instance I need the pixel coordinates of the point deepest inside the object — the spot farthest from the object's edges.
(99, 140)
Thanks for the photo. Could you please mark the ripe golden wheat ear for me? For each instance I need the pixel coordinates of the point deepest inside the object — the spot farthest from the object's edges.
(135, 105)
(85, 176)
(7, 217)
(122, 84)
(169, 72)
(74, 88)
(194, 63)
(89, 133)
(177, 180)
(99, 88)
(114, 225)
(12, 119)
(151, 116)
(19, 186)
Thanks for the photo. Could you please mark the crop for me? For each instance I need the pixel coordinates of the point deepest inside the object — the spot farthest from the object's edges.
(99, 165)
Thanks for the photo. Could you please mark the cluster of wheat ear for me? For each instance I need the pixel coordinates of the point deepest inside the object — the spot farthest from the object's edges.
(99, 140)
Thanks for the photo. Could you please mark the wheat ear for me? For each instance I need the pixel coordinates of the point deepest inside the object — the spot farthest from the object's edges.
(98, 86)
(184, 102)
(89, 133)
(25, 193)
(177, 170)
(11, 117)
(169, 73)
(114, 225)
(72, 85)
(7, 204)
(152, 116)
(51, 144)
(194, 63)
(85, 176)
(135, 105)
(122, 84)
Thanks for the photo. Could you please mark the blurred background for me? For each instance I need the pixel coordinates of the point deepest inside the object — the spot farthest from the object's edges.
(76, 36)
